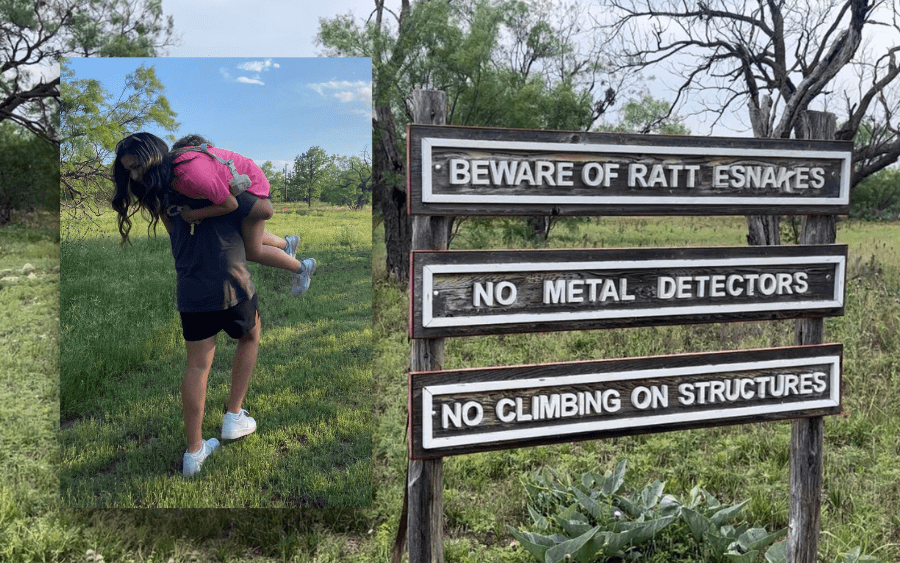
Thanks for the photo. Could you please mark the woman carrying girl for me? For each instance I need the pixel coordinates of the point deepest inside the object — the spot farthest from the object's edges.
(150, 178)
(211, 246)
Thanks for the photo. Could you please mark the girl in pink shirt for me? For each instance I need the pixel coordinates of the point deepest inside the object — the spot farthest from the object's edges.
(144, 171)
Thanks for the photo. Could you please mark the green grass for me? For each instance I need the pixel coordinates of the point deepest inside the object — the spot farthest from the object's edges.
(29, 367)
(122, 359)
(485, 493)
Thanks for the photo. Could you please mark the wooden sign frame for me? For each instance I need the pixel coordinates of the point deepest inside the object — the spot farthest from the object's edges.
(465, 293)
(425, 476)
(489, 171)
(481, 409)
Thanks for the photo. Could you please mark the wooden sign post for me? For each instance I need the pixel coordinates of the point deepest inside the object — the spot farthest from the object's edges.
(478, 171)
(807, 435)
(425, 478)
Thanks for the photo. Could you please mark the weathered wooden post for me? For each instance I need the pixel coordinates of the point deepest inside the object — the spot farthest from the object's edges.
(425, 481)
(807, 434)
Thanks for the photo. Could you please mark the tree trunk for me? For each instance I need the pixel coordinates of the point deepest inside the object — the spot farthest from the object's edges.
(389, 195)
(540, 226)
(763, 230)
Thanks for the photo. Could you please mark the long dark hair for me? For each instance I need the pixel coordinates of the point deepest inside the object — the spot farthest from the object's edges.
(152, 193)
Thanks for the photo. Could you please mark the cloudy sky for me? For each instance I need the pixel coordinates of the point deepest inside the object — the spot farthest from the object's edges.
(286, 28)
(239, 28)
(269, 108)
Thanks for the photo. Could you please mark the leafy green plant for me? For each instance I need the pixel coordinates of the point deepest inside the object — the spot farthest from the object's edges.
(720, 540)
(855, 556)
(347, 236)
(592, 520)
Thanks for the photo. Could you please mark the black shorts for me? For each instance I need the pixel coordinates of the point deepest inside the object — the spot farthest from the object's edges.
(236, 321)
(246, 201)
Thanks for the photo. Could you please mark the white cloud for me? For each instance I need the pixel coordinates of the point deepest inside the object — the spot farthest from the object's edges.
(255, 68)
(258, 66)
(345, 91)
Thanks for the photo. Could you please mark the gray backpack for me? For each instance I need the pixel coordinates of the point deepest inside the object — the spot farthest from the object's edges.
(238, 182)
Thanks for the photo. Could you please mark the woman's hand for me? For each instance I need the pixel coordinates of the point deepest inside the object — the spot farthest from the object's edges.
(188, 214)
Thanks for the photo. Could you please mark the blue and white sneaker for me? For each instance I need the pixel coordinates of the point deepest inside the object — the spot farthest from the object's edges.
(292, 243)
(301, 279)
(193, 462)
(237, 425)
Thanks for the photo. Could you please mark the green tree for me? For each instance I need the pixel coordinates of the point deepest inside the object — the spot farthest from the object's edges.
(500, 63)
(878, 196)
(310, 169)
(648, 115)
(276, 181)
(93, 121)
(34, 36)
(349, 182)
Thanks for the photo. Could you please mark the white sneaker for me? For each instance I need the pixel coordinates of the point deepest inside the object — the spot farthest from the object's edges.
(193, 462)
(292, 242)
(236, 425)
(300, 280)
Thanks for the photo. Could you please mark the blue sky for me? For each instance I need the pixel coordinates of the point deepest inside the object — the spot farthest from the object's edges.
(263, 108)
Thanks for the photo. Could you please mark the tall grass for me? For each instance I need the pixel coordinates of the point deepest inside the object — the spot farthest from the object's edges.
(29, 368)
(123, 359)
(485, 493)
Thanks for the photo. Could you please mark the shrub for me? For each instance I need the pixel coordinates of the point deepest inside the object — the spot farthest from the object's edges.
(592, 521)
(877, 197)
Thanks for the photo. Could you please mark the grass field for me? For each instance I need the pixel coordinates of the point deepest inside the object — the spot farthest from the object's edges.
(29, 384)
(484, 494)
(123, 360)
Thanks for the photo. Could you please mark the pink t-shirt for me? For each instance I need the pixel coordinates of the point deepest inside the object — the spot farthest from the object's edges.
(203, 177)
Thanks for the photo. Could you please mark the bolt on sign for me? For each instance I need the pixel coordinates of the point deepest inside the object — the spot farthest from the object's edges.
(479, 171)
(470, 410)
(463, 293)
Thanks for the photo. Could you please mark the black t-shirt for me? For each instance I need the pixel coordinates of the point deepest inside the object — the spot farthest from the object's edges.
(211, 263)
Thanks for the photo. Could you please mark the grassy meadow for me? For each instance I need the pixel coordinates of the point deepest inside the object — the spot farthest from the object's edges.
(29, 385)
(122, 361)
(484, 494)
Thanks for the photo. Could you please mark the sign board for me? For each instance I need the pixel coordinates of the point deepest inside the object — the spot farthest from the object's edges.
(478, 171)
(470, 410)
(463, 293)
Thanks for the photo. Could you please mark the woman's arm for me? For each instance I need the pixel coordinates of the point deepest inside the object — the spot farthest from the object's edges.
(213, 210)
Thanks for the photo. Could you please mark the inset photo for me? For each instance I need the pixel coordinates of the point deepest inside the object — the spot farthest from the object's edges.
(215, 293)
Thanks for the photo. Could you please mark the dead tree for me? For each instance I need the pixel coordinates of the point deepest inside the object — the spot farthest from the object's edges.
(775, 59)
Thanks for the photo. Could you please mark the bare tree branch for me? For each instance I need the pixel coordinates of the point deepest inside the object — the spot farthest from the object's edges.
(778, 58)
(34, 38)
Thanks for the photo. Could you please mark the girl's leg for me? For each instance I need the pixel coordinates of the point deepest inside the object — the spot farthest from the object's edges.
(253, 230)
(193, 388)
(271, 240)
(266, 212)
